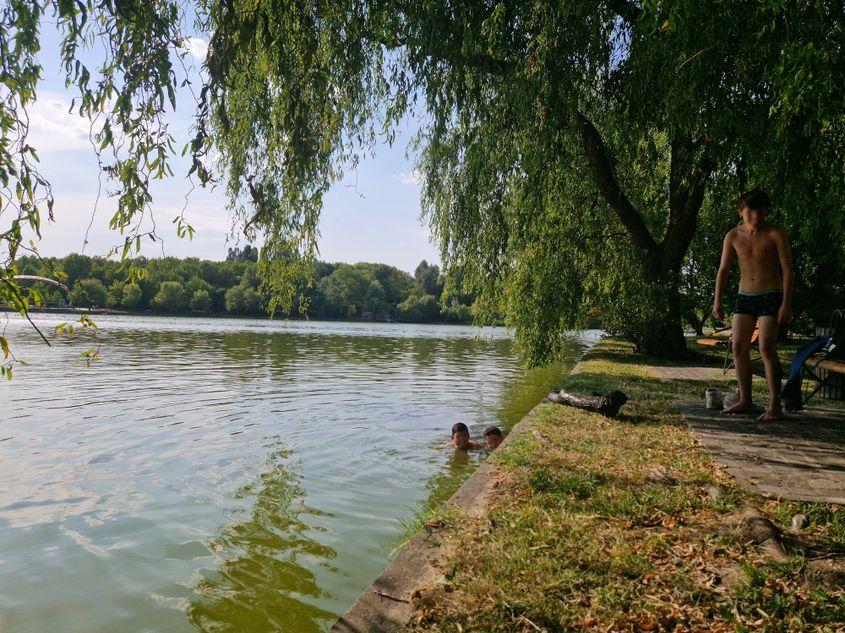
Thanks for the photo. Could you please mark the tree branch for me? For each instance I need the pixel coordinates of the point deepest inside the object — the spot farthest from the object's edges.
(25, 312)
(681, 151)
(604, 178)
(687, 184)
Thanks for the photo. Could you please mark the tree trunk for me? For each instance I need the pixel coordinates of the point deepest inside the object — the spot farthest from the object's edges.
(665, 340)
(696, 323)
(660, 328)
(655, 325)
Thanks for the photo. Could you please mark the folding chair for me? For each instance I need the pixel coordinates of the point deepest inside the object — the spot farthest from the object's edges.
(722, 341)
(832, 364)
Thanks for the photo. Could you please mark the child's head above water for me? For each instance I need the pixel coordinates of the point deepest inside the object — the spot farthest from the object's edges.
(460, 435)
(492, 437)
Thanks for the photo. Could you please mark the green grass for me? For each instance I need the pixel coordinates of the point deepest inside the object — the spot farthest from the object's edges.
(579, 537)
(423, 517)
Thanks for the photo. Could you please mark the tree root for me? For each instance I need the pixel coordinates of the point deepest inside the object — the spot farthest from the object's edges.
(756, 527)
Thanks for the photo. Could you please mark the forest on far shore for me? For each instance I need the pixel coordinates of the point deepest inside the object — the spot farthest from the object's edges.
(232, 287)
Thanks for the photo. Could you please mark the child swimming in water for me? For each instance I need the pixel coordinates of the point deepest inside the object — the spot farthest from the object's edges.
(460, 438)
(493, 437)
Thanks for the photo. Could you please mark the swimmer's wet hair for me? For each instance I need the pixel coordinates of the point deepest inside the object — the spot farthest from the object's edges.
(460, 427)
(755, 199)
(492, 430)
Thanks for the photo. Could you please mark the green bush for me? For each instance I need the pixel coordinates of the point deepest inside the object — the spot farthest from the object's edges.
(457, 313)
(89, 293)
(201, 301)
(171, 297)
(242, 300)
(414, 309)
(131, 298)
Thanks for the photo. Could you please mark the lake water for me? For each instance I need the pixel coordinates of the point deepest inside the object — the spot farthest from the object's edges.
(231, 475)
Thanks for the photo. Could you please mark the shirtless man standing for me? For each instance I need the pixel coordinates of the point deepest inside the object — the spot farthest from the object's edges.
(765, 296)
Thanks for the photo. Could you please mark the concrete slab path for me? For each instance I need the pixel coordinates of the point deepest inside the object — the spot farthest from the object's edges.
(694, 372)
(801, 457)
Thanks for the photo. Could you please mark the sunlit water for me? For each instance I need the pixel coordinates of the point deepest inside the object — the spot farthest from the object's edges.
(234, 475)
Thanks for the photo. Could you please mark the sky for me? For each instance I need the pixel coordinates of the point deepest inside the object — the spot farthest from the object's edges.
(371, 215)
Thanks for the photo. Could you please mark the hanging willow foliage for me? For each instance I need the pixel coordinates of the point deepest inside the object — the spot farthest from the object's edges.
(568, 149)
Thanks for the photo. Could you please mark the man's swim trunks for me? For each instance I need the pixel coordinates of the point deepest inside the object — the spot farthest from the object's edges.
(762, 303)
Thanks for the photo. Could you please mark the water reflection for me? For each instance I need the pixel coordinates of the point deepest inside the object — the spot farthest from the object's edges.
(439, 487)
(260, 582)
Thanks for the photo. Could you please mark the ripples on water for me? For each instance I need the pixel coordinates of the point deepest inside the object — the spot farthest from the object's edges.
(230, 474)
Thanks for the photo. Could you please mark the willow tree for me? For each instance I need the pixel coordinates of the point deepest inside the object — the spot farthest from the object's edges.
(567, 148)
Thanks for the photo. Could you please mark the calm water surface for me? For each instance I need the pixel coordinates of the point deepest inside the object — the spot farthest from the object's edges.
(231, 475)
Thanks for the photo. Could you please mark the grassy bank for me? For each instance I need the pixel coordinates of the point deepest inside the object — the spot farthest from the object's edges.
(627, 525)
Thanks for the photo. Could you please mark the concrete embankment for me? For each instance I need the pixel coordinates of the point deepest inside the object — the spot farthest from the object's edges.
(387, 604)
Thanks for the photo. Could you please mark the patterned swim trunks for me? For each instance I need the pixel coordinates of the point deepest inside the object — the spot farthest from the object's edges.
(762, 303)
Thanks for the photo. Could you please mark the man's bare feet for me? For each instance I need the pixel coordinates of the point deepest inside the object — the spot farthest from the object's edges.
(742, 407)
(770, 414)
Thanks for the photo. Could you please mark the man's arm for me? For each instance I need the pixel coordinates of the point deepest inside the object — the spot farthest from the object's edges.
(785, 257)
(723, 275)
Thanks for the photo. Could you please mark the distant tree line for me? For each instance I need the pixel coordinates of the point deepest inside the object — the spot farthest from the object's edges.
(233, 287)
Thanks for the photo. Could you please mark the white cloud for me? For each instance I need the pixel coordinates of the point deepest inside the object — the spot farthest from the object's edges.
(212, 160)
(197, 47)
(52, 128)
(413, 177)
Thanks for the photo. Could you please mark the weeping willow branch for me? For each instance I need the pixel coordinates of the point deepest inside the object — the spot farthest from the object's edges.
(22, 302)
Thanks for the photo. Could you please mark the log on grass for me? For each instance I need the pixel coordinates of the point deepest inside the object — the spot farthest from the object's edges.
(608, 404)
